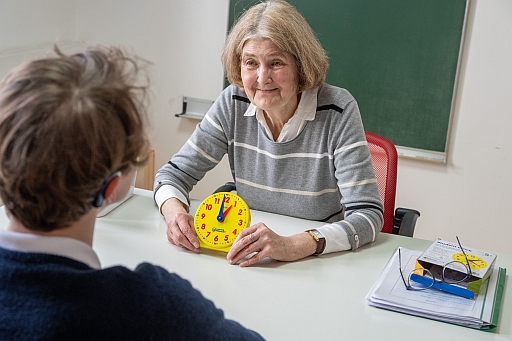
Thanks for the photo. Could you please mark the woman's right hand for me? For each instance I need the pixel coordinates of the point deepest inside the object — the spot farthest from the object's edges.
(180, 224)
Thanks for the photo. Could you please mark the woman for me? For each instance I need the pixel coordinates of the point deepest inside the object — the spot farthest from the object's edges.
(296, 146)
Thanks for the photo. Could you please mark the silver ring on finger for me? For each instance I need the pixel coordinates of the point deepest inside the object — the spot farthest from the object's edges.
(252, 238)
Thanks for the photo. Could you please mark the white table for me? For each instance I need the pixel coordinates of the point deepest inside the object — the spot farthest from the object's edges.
(317, 298)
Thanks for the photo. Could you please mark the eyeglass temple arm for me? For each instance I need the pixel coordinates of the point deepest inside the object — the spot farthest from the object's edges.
(465, 256)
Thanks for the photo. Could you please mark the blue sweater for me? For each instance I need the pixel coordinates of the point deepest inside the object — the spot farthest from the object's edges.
(48, 297)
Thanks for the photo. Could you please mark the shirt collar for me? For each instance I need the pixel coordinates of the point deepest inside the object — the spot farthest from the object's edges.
(306, 110)
(61, 246)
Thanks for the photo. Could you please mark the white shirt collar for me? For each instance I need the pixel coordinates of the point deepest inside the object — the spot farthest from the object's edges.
(61, 246)
(306, 111)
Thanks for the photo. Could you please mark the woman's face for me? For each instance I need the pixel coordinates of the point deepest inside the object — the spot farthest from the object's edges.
(270, 77)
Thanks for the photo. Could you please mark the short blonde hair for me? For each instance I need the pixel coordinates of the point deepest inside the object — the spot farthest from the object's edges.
(284, 26)
(66, 124)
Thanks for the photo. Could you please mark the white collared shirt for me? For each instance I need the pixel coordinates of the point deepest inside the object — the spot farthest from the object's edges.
(306, 111)
(54, 245)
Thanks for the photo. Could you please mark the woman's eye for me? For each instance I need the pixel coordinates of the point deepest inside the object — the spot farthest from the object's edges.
(250, 63)
(277, 63)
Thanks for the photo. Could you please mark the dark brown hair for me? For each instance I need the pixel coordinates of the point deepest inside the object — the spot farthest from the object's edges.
(66, 124)
(284, 26)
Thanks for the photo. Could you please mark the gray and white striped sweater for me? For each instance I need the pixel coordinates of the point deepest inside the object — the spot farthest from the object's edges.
(323, 174)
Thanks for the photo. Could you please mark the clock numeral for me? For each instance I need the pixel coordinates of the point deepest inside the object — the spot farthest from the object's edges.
(240, 212)
(208, 207)
(203, 226)
(240, 222)
(226, 237)
(226, 200)
(217, 201)
(235, 232)
(203, 216)
(235, 203)
(216, 239)
(207, 234)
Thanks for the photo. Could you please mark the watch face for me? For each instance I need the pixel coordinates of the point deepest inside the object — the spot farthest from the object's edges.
(317, 234)
(475, 262)
(219, 220)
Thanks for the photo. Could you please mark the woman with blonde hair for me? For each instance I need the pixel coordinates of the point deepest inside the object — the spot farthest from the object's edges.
(296, 145)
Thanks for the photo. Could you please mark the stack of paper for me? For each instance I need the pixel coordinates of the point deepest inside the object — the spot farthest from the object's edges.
(389, 292)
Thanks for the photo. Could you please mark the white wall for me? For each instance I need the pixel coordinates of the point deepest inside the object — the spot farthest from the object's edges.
(184, 41)
(25, 30)
(25, 23)
(468, 197)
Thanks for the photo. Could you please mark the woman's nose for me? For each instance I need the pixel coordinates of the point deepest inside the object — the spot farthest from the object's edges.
(263, 75)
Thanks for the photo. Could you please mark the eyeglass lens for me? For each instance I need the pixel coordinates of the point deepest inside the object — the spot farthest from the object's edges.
(455, 272)
(420, 279)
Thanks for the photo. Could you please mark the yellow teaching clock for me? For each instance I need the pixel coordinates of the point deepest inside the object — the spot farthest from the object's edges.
(475, 262)
(219, 219)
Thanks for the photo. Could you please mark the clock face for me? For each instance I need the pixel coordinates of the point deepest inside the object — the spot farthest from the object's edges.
(475, 262)
(219, 220)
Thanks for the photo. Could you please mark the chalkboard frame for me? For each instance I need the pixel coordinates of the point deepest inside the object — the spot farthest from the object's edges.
(425, 133)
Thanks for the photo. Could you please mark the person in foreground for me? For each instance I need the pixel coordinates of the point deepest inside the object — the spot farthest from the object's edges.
(296, 145)
(72, 131)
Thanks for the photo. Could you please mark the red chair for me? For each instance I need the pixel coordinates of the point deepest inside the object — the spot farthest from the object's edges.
(401, 221)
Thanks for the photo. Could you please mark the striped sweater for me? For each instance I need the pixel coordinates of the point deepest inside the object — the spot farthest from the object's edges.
(324, 174)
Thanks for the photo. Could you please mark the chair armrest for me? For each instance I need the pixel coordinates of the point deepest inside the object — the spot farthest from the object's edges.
(227, 187)
(404, 221)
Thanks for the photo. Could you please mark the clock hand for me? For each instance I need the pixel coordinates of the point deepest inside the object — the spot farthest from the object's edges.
(220, 216)
(226, 212)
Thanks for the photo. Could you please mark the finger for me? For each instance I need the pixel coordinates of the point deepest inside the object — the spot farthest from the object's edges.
(257, 253)
(240, 244)
(185, 243)
(244, 248)
(177, 238)
(189, 231)
(181, 234)
(241, 241)
(253, 260)
(246, 232)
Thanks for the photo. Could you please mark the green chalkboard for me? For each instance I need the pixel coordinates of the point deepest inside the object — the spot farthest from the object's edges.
(399, 58)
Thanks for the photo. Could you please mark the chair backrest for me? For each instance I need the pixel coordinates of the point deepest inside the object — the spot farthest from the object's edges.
(385, 162)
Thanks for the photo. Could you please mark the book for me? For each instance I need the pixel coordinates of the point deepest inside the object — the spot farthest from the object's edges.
(390, 292)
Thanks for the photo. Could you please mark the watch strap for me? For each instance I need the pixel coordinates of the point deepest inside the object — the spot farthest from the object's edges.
(320, 241)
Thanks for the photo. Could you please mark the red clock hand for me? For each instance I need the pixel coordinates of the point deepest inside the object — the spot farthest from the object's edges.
(226, 212)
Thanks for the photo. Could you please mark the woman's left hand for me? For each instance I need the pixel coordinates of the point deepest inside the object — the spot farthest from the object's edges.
(265, 243)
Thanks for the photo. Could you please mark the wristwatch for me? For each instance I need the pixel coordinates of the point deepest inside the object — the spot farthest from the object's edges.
(320, 241)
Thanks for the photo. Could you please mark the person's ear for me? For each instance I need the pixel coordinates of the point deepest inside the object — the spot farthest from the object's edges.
(110, 190)
(107, 190)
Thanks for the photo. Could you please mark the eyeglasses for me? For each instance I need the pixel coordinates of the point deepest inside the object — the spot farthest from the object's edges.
(452, 273)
